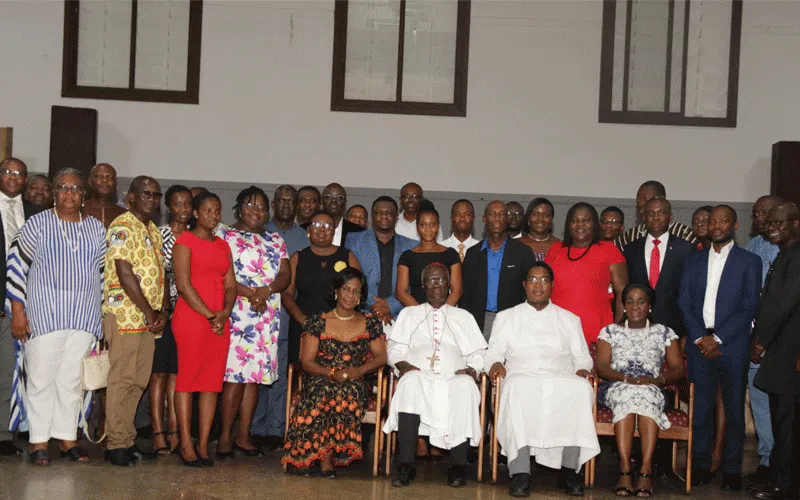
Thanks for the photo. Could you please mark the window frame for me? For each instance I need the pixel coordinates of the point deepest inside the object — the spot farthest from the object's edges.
(457, 108)
(69, 77)
(608, 115)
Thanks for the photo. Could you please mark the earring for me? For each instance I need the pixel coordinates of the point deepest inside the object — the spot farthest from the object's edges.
(308, 234)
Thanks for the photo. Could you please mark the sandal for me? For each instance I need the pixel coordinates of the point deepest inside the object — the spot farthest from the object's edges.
(40, 458)
(164, 450)
(76, 454)
(623, 489)
(174, 449)
(644, 492)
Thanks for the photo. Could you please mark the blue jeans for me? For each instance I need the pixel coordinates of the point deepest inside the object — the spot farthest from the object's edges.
(270, 416)
(759, 403)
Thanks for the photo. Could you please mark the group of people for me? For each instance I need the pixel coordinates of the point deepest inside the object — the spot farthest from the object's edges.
(196, 308)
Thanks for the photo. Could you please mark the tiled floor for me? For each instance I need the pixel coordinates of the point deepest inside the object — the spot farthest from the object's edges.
(261, 478)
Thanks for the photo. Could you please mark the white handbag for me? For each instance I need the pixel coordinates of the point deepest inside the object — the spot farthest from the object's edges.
(94, 371)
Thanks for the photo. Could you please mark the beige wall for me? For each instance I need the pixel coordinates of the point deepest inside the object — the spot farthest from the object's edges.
(531, 124)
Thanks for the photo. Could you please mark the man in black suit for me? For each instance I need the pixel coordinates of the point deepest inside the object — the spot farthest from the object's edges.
(334, 203)
(494, 270)
(664, 274)
(776, 344)
(14, 211)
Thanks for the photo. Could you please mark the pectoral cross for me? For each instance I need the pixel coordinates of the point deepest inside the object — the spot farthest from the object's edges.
(434, 358)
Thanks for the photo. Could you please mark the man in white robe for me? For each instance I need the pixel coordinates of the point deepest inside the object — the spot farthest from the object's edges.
(545, 399)
(437, 351)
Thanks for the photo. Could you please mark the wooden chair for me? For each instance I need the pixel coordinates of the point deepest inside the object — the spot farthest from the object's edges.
(681, 429)
(373, 414)
(392, 442)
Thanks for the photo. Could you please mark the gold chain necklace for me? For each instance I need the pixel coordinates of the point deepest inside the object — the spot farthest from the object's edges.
(344, 318)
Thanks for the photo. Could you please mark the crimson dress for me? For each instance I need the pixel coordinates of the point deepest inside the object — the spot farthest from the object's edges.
(581, 283)
(202, 353)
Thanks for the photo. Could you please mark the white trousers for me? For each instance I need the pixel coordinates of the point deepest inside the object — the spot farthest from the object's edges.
(53, 386)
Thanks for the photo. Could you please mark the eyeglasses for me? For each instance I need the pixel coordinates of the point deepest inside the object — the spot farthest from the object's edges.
(514, 213)
(12, 173)
(758, 215)
(544, 280)
(149, 195)
(411, 196)
(322, 225)
(74, 188)
(334, 197)
(436, 280)
(610, 222)
(255, 206)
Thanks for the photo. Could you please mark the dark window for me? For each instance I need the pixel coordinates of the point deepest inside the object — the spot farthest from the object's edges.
(132, 50)
(401, 56)
(670, 62)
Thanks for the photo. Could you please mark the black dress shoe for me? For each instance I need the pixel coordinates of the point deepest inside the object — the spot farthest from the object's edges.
(775, 494)
(520, 485)
(404, 475)
(732, 482)
(9, 449)
(328, 474)
(136, 454)
(457, 476)
(225, 455)
(119, 457)
(762, 475)
(701, 476)
(570, 483)
(256, 452)
(205, 462)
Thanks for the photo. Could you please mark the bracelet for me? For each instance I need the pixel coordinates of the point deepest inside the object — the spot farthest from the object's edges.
(662, 379)
(331, 373)
(625, 378)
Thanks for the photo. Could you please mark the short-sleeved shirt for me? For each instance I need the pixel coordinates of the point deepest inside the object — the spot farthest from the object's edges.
(416, 262)
(582, 277)
(141, 246)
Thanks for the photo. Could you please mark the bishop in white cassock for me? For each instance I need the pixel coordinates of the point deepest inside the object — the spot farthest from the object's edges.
(545, 399)
(437, 350)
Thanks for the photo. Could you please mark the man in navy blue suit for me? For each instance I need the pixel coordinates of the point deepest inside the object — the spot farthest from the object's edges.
(718, 298)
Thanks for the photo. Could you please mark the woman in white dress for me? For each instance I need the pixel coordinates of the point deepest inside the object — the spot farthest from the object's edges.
(629, 355)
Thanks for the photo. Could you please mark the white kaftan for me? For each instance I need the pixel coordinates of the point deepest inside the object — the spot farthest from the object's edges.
(439, 342)
(543, 403)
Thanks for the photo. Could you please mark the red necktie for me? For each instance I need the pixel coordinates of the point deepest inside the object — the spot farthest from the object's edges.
(655, 264)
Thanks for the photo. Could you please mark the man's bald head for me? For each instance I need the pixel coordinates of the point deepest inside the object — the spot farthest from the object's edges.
(13, 176)
(783, 224)
(15, 162)
(761, 209)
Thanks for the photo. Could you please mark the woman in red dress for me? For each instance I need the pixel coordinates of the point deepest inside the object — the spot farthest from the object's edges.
(584, 266)
(207, 287)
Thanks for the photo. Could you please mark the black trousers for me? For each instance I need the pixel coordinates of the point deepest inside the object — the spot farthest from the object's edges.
(407, 433)
(785, 459)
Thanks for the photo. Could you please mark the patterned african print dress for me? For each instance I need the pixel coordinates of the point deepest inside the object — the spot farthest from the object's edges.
(253, 354)
(328, 415)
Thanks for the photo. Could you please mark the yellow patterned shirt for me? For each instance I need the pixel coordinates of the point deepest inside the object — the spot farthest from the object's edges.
(130, 240)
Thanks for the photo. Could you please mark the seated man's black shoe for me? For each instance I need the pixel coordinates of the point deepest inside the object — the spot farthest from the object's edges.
(8, 448)
(762, 475)
(457, 475)
(520, 485)
(135, 454)
(119, 457)
(775, 494)
(701, 476)
(404, 475)
(569, 481)
(732, 482)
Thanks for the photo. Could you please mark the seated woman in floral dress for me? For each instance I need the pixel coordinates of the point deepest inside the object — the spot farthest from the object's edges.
(630, 355)
(325, 428)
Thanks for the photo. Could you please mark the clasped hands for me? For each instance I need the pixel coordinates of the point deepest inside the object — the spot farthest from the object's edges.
(708, 346)
(404, 367)
(343, 375)
(258, 297)
(156, 321)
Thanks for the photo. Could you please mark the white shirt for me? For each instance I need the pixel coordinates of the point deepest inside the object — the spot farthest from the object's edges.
(337, 233)
(409, 229)
(546, 342)
(448, 336)
(454, 242)
(662, 248)
(716, 263)
(18, 214)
